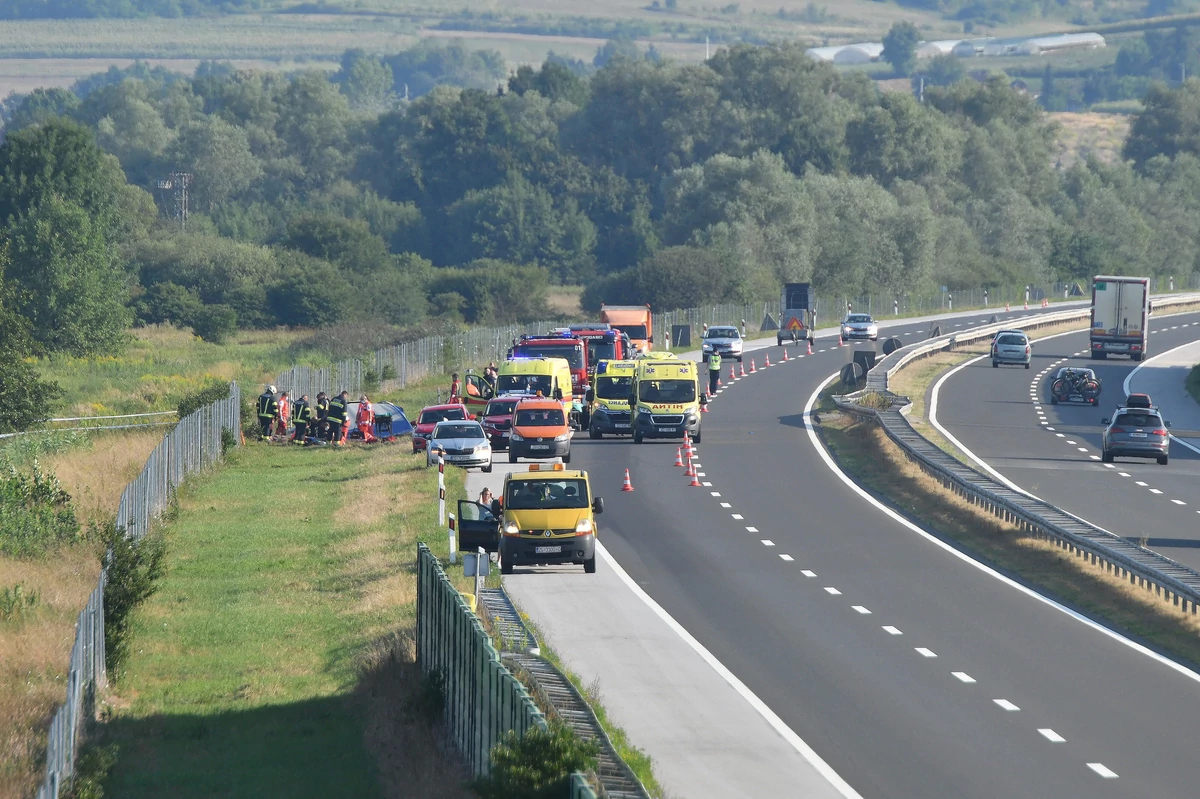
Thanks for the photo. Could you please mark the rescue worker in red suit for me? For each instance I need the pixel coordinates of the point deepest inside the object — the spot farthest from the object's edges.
(366, 420)
(283, 416)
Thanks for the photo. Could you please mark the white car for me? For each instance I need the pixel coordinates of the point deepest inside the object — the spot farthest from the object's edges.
(725, 340)
(859, 326)
(461, 443)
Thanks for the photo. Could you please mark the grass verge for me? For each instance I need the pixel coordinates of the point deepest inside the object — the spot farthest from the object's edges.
(865, 452)
(1193, 383)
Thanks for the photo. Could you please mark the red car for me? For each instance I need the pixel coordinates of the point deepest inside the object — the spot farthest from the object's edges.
(428, 419)
(497, 419)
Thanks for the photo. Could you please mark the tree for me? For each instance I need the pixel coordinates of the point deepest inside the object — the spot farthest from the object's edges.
(38, 107)
(900, 47)
(553, 81)
(218, 156)
(25, 400)
(1169, 124)
(366, 81)
(619, 47)
(944, 70)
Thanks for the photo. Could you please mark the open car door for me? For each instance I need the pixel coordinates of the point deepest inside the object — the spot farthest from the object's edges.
(476, 393)
(477, 527)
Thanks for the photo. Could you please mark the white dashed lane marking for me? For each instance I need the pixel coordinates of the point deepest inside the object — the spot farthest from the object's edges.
(829, 589)
(962, 676)
(788, 558)
(1051, 735)
(928, 653)
(862, 610)
(1103, 770)
(1005, 704)
(808, 572)
(890, 630)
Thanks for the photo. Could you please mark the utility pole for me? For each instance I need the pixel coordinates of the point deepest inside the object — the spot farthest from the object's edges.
(178, 183)
(706, 47)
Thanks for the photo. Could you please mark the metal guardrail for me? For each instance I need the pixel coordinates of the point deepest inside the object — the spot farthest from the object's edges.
(194, 444)
(1127, 560)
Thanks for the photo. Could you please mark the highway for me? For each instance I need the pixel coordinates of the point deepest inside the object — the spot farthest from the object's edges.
(1053, 451)
(908, 669)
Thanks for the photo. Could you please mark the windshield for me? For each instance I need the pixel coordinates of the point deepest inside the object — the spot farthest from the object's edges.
(1014, 340)
(458, 431)
(664, 392)
(1138, 420)
(540, 417)
(614, 387)
(634, 331)
(858, 318)
(502, 408)
(433, 417)
(572, 352)
(529, 384)
(537, 494)
(600, 350)
(722, 332)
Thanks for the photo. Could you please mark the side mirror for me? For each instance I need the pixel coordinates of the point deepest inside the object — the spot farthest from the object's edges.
(1106, 421)
(589, 395)
(497, 509)
(704, 399)
(1168, 424)
(558, 394)
(598, 505)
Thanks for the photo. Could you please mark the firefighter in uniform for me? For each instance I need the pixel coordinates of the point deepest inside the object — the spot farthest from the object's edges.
(337, 418)
(714, 371)
(302, 415)
(268, 408)
(322, 409)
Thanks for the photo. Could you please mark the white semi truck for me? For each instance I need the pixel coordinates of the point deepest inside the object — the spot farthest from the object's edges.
(1120, 316)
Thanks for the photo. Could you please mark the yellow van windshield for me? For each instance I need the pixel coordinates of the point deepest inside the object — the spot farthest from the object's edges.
(545, 494)
(530, 384)
(667, 392)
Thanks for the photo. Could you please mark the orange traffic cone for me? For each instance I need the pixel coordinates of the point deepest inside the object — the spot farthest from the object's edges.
(841, 341)
(785, 353)
(688, 452)
(628, 485)
(766, 360)
(752, 369)
(704, 408)
(679, 456)
(695, 481)
(691, 469)
(742, 369)
(732, 376)
(810, 346)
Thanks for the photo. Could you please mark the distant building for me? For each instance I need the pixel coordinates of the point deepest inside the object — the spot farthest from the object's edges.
(938, 48)
(1036, 45)
(861, 53)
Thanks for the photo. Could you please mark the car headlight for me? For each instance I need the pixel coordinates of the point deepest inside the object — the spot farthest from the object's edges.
(583, 526)
(708, 346)
(563, 437)
(481, 448)
(845, 328)
(515, 436)
(510, 528)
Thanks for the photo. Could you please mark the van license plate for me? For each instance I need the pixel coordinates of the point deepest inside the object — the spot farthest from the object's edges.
(1137, 435)
(539, 446)
(666, 429)
(619, 426)
(547, 550)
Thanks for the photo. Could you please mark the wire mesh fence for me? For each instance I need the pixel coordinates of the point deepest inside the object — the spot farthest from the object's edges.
(345, 375)
(483, 700)
(195, 443)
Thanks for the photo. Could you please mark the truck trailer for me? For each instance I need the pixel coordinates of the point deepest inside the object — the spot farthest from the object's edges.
(1120, 316)
(634, 320)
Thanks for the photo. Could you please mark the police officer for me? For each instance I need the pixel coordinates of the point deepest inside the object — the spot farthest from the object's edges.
(322, 409)
(337, 417)
(268, 409)
(302, 416)
(714, 371)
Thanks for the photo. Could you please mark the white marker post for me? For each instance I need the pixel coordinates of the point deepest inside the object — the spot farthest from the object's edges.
(441, 489)
(451, 528)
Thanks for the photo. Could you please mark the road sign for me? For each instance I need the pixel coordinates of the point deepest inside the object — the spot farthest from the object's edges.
(795, 324)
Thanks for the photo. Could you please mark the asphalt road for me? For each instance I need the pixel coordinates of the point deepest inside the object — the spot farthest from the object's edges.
(907, 668)
(1053, 451)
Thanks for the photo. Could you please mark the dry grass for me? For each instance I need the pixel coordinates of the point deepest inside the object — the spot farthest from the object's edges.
(95, 476)
(1081, 135)
(564, 301)
(874, 461)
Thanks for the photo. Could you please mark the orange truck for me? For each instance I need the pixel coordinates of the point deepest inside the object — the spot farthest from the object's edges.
(634, 320)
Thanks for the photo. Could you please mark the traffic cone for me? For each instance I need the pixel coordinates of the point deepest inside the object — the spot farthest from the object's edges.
(841, 343)
(752, 369)
(742, 369)
(732, 376)
(785, 353)
(628, 485)
(704, 408)
(810, 346)
(695, 480)
(679, 457)
(766, 360)
(691, 469)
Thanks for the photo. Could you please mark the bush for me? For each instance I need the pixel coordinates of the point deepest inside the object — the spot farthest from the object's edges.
(215, 323)
(215, 390)
(93, 768)
(36, 514)
(537, 765)
(134, 568)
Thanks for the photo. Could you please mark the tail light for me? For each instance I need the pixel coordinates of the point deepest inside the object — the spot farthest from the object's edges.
(1026, 349)
(1116, 429)
(1159, 432)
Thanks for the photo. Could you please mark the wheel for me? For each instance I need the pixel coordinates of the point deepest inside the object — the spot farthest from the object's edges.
(739, 359)
(1137, 357)
(1026, 366)
(506, 566)
(995, 364)
(778, 341)
(512, 456)
(1162, 460)
(589, 565)
(1099, 356)
(637, 437)
(585, 420)
(415, 450)
(696, 438)
(567, 458)
(1106, 456)
(1053, 399)
(595, 434)
(486, 469)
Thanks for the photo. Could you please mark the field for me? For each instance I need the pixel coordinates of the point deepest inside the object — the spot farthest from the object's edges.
(1090, 134)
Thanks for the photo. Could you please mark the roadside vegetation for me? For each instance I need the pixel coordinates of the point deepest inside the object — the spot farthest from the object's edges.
(1193, 383)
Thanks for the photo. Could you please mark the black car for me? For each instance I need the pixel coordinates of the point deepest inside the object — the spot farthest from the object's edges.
(1075, 384)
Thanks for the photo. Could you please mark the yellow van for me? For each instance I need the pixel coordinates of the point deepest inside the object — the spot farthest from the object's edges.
(665, 400)
(607, 409)
(550, 377)
(547, 516)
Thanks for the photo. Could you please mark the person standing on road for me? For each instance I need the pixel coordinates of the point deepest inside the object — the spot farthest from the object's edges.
(268, 407)
(337, 417)
(302, 415)
(322, 409)
(714, 371)
(455, 388)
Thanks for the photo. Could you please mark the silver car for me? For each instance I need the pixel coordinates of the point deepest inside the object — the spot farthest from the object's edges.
(726, 341)
(859, 326)
(1136, 433)
(1011, 347)
(462, 443)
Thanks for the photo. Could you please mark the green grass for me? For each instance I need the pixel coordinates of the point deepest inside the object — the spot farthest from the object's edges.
(1193, 383)
(286, 568)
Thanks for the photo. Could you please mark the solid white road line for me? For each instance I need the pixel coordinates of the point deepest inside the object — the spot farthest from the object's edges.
(1004, 703)
(781, 727)
(1143, 365)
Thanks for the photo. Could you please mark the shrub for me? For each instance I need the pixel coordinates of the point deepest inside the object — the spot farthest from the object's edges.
(93, 768)
(538, 765)
(215, 390)
(134, 568)
(36, 514)
(215, 323)
(16, 602)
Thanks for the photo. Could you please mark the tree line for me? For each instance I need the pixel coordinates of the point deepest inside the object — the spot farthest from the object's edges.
(317, 199)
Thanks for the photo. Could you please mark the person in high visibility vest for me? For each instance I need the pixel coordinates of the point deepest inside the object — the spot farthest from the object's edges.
(268, 407)
(302, 415)
(366, 420)
(337, 418)
(714, 371)
(322, 409)
(283, 416)
(455, 388)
